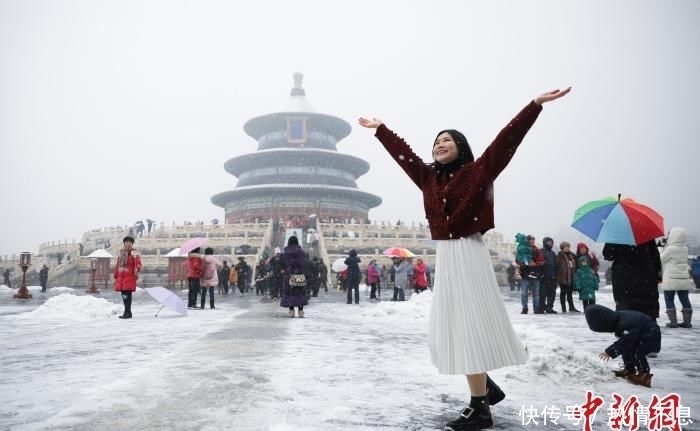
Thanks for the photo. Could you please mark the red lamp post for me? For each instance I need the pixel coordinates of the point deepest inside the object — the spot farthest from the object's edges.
(25, 261)
(93, 269)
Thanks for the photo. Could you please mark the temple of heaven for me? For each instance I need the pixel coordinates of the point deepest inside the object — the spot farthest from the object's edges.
(296, 172)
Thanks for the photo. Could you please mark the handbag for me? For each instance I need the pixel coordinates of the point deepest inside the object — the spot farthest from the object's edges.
(297, 280)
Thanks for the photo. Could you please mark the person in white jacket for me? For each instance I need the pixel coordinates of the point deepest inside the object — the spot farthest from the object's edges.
(210, 278)
(676, 278)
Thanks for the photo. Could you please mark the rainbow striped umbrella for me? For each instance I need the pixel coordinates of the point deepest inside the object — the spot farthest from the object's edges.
(618, 221)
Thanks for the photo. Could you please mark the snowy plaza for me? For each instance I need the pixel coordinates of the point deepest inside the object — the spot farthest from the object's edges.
(68, 363)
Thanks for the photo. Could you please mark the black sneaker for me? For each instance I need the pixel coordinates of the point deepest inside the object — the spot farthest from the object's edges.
(524, 311)
(550, 311)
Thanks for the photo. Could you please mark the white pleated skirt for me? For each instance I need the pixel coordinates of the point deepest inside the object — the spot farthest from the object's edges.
(469, 329)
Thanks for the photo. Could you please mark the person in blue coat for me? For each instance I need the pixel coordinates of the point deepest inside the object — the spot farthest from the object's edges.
(638, 334)
(695, 268)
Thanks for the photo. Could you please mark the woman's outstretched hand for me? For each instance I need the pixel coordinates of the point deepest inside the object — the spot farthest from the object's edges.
(551, 95)
(370, 124)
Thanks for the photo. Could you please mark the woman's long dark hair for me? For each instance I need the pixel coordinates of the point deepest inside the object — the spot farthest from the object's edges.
(464, 156)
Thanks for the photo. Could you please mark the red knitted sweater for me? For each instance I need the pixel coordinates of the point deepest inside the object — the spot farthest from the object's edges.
(460, 203)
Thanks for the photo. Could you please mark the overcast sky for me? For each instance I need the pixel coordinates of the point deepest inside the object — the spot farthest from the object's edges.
(112, 112)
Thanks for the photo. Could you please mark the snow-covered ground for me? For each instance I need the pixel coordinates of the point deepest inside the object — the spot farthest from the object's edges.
(68, 363)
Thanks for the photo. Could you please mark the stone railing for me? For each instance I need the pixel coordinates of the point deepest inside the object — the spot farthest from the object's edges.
(220, 235)
(322, 251)
(365, 229)
(367, 244)
(55, 247)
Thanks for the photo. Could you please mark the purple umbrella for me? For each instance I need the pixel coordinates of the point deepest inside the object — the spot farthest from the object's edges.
(168, 299)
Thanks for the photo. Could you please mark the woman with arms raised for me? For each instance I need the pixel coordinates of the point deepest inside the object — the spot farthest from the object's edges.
(469, 329)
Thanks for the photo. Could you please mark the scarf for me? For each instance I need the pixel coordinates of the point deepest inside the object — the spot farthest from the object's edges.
(124, 258)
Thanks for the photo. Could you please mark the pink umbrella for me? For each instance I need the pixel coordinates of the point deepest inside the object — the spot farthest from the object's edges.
(191, 244)
(398, 252)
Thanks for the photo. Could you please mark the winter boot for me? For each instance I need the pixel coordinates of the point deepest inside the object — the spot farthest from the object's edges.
(643, 379)
(671, 313)
(572, 308)
(127, 306)
(476, 416)
(624, 372)
(291, 313)
(687, 315)
(301, 313)
(493, 392)
(128, 313)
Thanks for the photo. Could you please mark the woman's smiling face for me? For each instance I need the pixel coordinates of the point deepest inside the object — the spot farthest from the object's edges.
(445, 149)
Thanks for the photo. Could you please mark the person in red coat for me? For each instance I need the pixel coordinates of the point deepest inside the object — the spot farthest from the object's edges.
(373, 278)
(469, 331)
(126, 273)
(419, 270)
(195, 270)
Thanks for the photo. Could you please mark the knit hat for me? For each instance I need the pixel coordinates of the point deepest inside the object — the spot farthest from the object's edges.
(529, 237)
(581, 244)
(563, 245)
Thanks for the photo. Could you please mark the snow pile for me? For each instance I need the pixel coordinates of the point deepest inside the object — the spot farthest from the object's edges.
(558, 358)
(416, 307)
(72, 307)
(6, 290)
